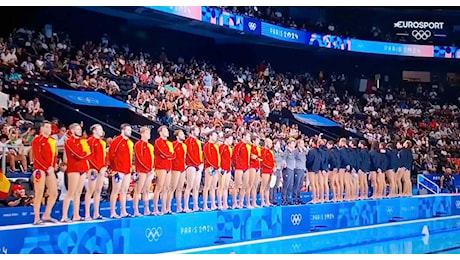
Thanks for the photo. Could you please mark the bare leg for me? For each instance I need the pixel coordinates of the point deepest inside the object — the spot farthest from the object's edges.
(116, 186)
(165, 193)
(196, 189)
(206, 188)
(190, 181)
(123, 192)
(73, 180)
(145, 193)
(51, 184)
(158, 189)
(137, 193)
(251, 182)
(213, 188)
(77, 197)
(237, 189)
(39, 188)
(265, 185)
(226, 182)
(179, 190)
(244, 190)
(175, 175)
(89, 193)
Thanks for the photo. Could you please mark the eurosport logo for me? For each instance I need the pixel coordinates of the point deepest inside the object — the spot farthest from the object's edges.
(252, 26)
(457, 204)
(153, 234)
(421, 34)
(296, 219)
(419, 25)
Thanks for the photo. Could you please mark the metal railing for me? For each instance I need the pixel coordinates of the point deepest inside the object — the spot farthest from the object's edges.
(420, 183)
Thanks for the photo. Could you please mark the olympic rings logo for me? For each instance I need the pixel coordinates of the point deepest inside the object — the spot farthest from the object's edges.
(252, 26)
(421, 34)
(296, 219)
(153, 234)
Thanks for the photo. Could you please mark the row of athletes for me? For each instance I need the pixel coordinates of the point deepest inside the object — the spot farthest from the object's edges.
(345, 168)
(174, 164)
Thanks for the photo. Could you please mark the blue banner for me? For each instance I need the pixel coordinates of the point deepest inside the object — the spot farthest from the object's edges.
(316, 120)
(248, 24)
(87, 98)
(389, 48)
(284, 34)
(295, 220)
(252, 25)
(222, 18)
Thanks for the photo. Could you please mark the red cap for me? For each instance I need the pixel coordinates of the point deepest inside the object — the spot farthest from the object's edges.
(17, 187)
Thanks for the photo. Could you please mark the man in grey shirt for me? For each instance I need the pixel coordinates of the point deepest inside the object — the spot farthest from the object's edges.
(288, 173)
(300, 169)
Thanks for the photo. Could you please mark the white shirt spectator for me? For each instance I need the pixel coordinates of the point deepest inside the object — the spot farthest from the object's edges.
(61, 185)
(158, 79)
(32, 106)
(9, 57)
(28, 66)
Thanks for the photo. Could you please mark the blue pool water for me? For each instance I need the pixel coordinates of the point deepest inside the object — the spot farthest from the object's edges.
(433, 236)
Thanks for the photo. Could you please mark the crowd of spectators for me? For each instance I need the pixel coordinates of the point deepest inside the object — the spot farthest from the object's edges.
(184, 93)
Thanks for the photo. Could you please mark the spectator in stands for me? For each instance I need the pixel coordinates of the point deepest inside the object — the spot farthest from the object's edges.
(9, 57)
(54, 125)
(18, 197)
(12, 153)
(35, 110)
(61, 182)
(60, 138)
(27, 139)
(447, 181)
(28, 66)
(22, 111)
(14, 77)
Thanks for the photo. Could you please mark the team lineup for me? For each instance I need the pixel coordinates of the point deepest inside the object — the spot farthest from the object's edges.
(255, 165)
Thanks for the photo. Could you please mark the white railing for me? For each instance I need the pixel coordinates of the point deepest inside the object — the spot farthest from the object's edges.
(421, 177)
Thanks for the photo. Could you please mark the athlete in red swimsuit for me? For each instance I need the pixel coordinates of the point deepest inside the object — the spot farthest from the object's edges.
(77, 151)
(226, 151)
(268, 167)
(98, 169)
(194, 163)
(254, 172)
(121, 153)
(164, 155)
(240, 158)
(212, 163)
(144, 163)
(178, 169)
(45, 154)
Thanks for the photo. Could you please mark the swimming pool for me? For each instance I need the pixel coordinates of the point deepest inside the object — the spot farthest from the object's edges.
(437, 235)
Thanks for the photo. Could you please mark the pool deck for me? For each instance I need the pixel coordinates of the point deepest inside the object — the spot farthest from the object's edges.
(178, 232)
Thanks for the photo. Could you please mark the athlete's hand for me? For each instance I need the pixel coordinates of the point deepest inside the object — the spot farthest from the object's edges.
(50, 170)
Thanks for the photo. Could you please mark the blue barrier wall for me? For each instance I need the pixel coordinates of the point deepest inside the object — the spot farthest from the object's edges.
(181, 231)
